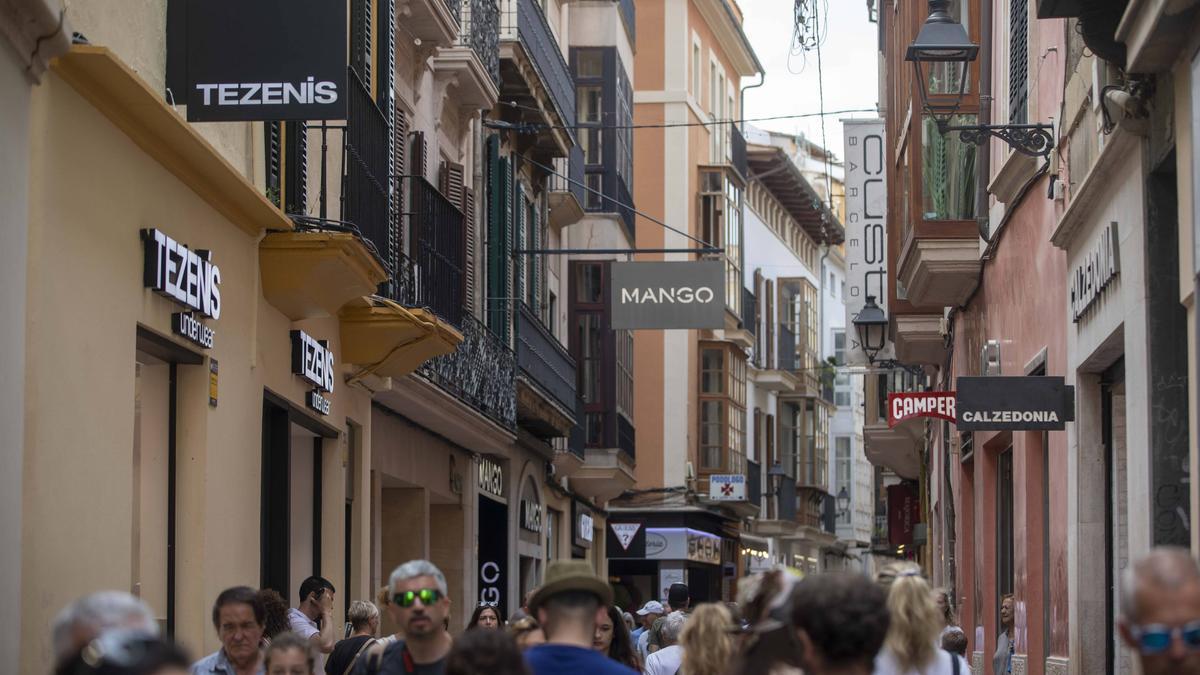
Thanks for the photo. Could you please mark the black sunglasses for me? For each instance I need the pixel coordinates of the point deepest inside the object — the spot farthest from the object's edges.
(427, 596)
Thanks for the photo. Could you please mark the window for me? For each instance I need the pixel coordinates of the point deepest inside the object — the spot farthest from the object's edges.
(844, 469)
(1004, 525)
(722, 408)
(604, 358)
(696, 68)
(604, 115)
(832, 285)
(948, 172)
(721, 226)
(804, 435)
(798, 329)
(589, 63)
(841, 381)
(1018, 61)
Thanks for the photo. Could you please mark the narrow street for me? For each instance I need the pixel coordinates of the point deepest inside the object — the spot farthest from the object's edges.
(700, 337)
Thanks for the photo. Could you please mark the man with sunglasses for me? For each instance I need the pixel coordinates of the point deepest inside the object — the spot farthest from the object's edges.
(1160, 611)
(420, 604)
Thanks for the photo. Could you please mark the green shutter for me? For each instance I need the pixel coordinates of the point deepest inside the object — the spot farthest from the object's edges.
(495, 236)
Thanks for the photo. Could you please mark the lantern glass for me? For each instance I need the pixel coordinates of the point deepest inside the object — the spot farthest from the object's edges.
(871, 324)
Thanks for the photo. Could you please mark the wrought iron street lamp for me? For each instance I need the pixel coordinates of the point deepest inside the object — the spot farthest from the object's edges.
(843, 502)
(942, 40)
(871, 324)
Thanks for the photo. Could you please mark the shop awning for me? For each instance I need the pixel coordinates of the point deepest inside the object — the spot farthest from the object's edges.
(387, 339)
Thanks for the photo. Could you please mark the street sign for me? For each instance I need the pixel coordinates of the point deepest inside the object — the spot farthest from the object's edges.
(907, 405)
(866, 229)
(1014, 403)
(727, 487)
(664, 295)
(232, 60)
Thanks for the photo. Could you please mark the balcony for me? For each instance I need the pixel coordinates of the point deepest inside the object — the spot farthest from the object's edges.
(595, 471)
(920, 339)
(799, 363)
(896, 448)
(939, 266)
(814, 516)
(534, 75)
(546, 398)
(434, 22)
(480, 373)
(566, 196)
(434, 277)
(469, 70)
(316, 269)
(365, 204)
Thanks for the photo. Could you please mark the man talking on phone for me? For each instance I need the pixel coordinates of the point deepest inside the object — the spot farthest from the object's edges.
(313, 619)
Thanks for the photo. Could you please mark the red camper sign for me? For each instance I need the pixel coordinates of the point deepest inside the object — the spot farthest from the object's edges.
(905, 406)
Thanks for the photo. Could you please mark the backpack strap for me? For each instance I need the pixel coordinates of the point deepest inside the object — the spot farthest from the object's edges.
(366, 645)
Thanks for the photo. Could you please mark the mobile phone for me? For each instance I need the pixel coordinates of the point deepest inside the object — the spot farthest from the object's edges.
(349, 629)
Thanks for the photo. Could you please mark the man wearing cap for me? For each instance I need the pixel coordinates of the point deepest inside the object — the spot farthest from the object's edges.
(568, 605)
(648, 614)
(679, 599)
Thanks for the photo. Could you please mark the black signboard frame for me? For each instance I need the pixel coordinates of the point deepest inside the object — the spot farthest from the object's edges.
(1032, 403)
(248, 60)
(492, 570)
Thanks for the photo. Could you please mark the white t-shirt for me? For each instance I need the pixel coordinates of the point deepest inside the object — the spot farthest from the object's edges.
(885, 664)
(306, 628)
(665, 661)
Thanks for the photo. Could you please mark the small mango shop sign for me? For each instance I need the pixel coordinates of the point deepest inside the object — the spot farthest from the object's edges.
(991, 404)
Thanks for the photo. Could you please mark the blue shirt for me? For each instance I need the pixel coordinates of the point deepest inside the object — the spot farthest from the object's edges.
(571, 660)
(216, 664)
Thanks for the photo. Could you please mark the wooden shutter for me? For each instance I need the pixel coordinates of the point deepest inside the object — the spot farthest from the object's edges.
(273, 151)
(537, 262)
(469, 274)
(520, 228)
(450, 183)
(360, 39)
(771, 320)
(1018, 60)
(296, 171)
(417, 158)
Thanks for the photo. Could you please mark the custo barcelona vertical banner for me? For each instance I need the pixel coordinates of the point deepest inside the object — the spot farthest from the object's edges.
(866, 226)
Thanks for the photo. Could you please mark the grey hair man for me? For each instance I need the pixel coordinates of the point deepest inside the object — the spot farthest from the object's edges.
(92, 615)
(666, 661)
(420, 606)
(1160, 611)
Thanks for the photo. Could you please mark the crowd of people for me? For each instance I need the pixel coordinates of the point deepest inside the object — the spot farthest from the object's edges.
(820, 624)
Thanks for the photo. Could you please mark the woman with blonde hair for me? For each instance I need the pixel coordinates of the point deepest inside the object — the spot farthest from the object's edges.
(911, 647)
(707, 641)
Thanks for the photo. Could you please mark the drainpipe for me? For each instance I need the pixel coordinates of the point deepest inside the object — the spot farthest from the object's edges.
(984, 157)
(762, 77)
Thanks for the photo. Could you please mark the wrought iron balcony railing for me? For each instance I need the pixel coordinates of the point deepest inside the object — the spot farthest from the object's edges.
(437, 265)
(455, 7)
(479, 29)
(749, 311)
(544, 361)
(525, 20)
(364, 189)
(479, 373)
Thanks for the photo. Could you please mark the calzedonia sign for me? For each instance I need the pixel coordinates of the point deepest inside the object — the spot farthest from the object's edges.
(189, 278)
(312, 360)
(1014, 403)
(237, 60)
(663, 295)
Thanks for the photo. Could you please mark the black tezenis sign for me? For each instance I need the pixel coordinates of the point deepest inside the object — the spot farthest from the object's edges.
(231, 60)
(1014, 403)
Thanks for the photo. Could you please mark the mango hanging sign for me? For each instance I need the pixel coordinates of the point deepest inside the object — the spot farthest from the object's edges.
(664, 295)
(908, 405)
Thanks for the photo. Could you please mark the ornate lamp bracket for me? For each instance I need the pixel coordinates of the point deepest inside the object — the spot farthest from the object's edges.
(1035, 140)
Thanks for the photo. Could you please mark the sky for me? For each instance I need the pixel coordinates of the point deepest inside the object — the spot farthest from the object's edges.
(848, 60)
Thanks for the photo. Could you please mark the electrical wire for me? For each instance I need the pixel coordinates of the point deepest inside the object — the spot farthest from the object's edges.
(536, 127)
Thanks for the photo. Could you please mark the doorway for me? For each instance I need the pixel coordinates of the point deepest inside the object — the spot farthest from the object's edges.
(1116, 540)
(292, 477)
